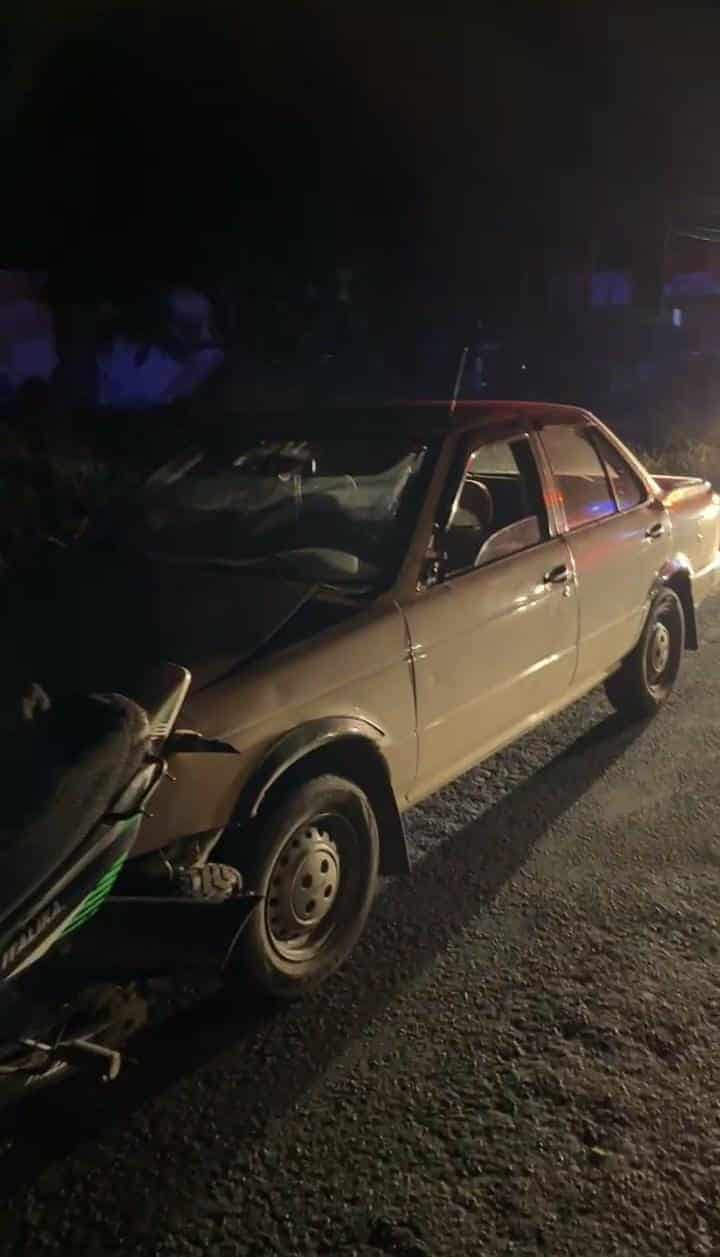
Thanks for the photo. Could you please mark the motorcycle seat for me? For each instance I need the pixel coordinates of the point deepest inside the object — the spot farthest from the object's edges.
(77, 760)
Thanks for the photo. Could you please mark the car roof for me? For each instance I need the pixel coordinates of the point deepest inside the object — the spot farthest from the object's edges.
(470, 414)
(419, 418)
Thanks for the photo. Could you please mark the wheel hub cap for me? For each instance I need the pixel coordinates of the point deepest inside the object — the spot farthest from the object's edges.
(303, 886)
(659, 649)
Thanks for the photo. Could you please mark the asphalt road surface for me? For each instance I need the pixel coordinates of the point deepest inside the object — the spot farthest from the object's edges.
(523, 1056)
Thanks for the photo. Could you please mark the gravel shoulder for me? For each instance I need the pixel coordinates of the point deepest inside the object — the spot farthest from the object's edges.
(521, 1058)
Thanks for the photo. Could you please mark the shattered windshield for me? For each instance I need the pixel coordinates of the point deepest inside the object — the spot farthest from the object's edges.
(333, 510)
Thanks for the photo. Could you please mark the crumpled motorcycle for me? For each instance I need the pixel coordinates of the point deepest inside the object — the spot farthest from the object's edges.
(78, 786)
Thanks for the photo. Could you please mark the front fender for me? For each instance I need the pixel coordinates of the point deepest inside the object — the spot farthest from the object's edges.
(352, 745)
(298, 743)
(199, 795)
(214, 784)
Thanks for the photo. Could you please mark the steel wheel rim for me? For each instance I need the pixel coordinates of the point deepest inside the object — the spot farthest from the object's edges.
(305, 886)
(659, 648)
(660, 651)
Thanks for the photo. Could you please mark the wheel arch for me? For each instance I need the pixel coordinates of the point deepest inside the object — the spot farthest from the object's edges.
(677, 576)
(348, 747)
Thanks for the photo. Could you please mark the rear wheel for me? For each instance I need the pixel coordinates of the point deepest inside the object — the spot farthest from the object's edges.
(647, 677)
(314, 861)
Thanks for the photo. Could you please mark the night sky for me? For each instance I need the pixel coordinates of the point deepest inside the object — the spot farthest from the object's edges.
(467, 145)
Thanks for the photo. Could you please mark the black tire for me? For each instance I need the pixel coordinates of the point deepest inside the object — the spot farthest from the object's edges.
(314, 859)
(647, 677)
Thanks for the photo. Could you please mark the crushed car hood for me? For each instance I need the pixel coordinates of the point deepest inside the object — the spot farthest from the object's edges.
(110, 618)
(215, 619)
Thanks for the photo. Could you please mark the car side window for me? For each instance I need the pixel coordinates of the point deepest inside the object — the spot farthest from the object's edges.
(579, 474)
(499, 509)
(627, 486)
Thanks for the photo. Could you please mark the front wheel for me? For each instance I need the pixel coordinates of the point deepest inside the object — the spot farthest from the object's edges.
(647, 677)
(314, 861)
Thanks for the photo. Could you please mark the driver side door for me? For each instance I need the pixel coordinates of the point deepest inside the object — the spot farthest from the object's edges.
(494, 643)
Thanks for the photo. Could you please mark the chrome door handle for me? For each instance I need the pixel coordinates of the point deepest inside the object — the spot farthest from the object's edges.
(559, 575)
(655, 531)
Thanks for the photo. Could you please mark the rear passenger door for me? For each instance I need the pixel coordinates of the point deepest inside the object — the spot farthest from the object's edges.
(618, 536)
